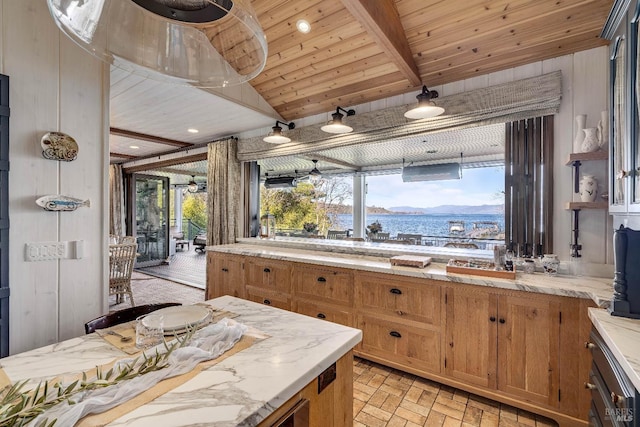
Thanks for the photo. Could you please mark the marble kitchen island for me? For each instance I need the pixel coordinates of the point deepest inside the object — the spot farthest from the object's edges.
(252, 387)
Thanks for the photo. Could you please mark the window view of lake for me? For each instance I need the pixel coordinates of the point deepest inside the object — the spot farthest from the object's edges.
(427, 224)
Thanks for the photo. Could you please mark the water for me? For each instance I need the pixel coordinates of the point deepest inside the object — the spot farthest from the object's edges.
(427, 225)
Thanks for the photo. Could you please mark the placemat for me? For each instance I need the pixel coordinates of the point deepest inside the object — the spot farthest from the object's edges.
(128, 329)
(103, 418)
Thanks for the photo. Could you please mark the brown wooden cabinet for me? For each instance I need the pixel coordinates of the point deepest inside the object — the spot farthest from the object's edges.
(505, 341)
(268, 274)
(400, 320)
(224, 276)
(521, 348)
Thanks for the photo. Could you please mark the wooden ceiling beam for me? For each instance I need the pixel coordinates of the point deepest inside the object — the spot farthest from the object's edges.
(167, 162)
(380, 18)
(149, 138)
(122, 156)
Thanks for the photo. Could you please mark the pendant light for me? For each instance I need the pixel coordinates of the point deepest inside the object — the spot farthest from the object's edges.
(276, 136)
(426, 107)
(336, 125)
(202, 43)
(192, 187)
(315, 175)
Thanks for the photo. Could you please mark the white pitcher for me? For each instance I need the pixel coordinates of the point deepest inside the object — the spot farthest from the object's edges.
(591, 140)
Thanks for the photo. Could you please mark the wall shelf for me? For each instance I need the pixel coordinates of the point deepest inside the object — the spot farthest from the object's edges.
(587, 205)
(575, 160)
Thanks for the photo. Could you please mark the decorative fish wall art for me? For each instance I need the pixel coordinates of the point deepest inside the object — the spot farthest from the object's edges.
(61, 203)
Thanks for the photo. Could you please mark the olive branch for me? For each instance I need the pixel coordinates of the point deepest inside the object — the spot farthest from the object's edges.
(19, 407)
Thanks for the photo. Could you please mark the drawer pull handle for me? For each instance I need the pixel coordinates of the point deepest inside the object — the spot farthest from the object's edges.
(225, 270)
(266, 301)
(396, 291)
(501, 320)
(615, 398)
(321, 316)
(395, 334)
(590, 386)
(492, 318)
(266, 270)
(321, 279)
(589, 345)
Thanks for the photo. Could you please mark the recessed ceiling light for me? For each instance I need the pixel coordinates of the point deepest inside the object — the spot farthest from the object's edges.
(303, 26)
(135, 147)
(192, 130)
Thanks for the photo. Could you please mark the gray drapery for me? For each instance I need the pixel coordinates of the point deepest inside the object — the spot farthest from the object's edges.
(223, 192)
(522, 99)
(116, 201)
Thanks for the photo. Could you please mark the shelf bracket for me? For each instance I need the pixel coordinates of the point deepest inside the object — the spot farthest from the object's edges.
(576, 176)
(575, 246)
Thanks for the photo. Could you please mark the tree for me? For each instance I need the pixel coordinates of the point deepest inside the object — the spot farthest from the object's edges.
(307, 203)
(194, 207)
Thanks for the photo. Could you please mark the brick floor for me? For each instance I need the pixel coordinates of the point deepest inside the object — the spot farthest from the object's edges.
(388, 397)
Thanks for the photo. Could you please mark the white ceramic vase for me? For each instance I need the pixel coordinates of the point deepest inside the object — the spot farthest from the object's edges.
(603, 130)
(550, 264)
(588, 188)
(581, 122)
(591, 141)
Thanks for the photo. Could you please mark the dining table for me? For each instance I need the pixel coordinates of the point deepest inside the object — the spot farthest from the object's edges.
(288, 351)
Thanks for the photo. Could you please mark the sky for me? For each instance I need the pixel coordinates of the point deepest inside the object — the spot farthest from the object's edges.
(479, 186)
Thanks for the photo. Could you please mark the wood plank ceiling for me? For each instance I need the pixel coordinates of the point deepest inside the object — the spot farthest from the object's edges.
(357, 51)
(363, 50)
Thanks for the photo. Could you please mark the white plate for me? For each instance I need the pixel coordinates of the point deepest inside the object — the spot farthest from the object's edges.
(179, 317)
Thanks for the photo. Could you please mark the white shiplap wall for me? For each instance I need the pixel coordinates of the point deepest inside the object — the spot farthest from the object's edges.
(54, 86)
(584, 87)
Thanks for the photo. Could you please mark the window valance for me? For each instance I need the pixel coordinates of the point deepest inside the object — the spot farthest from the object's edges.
(531, 97)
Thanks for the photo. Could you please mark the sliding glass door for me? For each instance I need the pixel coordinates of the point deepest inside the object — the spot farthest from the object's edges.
(150, 218)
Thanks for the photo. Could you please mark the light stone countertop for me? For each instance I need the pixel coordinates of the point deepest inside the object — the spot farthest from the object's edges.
(600, 290)
(622, 336)
(241, 390)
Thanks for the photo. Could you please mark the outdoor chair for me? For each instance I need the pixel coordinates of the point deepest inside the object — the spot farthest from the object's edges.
(122, 316)
(336, 234)
(415, 239)
(178, 236)
(199, 242)
(378, 237)
(121, 260)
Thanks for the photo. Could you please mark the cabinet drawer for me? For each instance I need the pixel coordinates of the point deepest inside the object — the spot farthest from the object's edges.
(398, 297)
(324, 311)
(267, 297)
(331, 285)
(414, 347)
(264, 273)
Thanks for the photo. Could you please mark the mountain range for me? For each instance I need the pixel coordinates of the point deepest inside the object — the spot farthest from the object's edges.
(450, 209)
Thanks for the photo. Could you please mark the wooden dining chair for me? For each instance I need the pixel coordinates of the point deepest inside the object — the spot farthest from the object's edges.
(122, 316)
(122, 257)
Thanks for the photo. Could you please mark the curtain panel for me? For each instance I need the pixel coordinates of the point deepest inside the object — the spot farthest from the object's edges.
(223, 192)
(116, 201)
(532, 97)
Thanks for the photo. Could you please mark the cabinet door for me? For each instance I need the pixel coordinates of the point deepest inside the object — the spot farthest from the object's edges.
(618, 123)
(470, 341)
(224, 275)
(268, 274)
(528, 345)
(331, 313)
(326, 284)
(268, 297)
(403, 344)
(407, 299)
